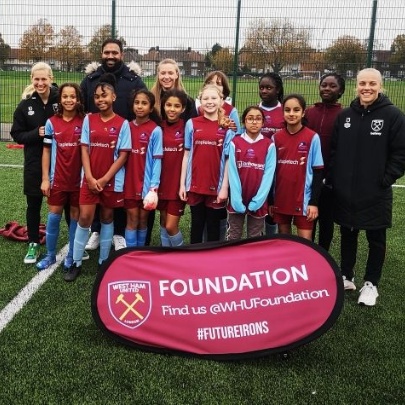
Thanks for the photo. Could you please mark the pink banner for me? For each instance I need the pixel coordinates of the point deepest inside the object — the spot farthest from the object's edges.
(225, 301)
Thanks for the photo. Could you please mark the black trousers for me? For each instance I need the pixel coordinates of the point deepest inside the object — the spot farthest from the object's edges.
(203, 217)
(325, 219)
(377, 241)
(33, 217)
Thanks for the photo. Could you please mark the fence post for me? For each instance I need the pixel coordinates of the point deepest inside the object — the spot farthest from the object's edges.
(236, 57)
(371, 37)
(113, 19)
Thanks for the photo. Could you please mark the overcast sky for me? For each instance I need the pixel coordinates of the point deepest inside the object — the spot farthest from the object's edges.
(200, 24)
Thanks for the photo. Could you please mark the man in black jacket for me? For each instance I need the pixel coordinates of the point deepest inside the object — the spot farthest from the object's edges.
(128, 80)
(367, 157)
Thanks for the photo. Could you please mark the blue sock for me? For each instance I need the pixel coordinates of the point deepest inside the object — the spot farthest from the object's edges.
(72, 232)
(106, 235)
(164, 237)
(81, 237)
(176, 240)
(52, 232)
(131, 237)
(142, 237)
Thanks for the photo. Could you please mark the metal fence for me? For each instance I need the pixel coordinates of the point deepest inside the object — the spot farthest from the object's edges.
(244, 38)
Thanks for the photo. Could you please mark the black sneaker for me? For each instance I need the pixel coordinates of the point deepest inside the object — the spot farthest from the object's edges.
(72, 273)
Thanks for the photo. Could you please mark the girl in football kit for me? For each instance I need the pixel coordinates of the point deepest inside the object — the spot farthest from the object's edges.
(252, 162)
(142, 176)
(61, 168)
(299, 171)
(204, 174)
(219, 79)
(170, 206)
(105, 144)
(321, 118)
(271, 93)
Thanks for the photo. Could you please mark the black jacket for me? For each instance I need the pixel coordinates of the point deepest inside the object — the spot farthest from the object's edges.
(367, 157)
(29, 115)
(127, 82)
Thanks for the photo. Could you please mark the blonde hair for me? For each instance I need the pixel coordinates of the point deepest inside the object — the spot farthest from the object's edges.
(209, 86)
(374, 71)
(29, 90)
(157, 88)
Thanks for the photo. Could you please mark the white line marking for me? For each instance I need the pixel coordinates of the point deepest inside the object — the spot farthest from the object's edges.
(22, 298)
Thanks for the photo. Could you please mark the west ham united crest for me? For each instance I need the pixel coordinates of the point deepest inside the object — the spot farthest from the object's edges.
(377, 125)
(130, 302)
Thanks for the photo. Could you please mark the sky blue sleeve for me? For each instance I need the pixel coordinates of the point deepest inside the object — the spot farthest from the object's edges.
(85, 138)
(269, 168)
(316, 152)
(188, 134)
(157, 151)
(234, 182)
(235, 118)
(228, 138)
(124, 137)
(49, 131)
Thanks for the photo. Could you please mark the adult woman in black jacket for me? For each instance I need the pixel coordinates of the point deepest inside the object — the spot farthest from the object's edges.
(39, 102)
(367, 157)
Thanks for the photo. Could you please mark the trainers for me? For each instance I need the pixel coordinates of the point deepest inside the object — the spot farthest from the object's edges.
(119, 242)
(46, 262)
(32, 254)
(85, 256)
(368, 294)
(67, 263)
(94, 241)
(348, 284)
(72, 273)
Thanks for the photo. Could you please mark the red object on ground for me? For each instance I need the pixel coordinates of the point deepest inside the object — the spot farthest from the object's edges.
(14, 231)
(14, 146)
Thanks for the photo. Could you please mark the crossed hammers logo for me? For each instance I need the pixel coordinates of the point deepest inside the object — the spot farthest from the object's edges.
(130, 307)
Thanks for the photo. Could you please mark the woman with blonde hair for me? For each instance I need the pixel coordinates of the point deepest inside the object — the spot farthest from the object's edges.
(39, 102)
(168, 77)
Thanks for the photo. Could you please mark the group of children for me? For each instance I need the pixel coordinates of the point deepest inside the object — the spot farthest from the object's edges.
(269, 164)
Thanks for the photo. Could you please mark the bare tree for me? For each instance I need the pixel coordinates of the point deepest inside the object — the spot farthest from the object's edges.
(68, 49)
(275, 45)
(37, 41)
(398, 50)
(100, 35)
(346, 54)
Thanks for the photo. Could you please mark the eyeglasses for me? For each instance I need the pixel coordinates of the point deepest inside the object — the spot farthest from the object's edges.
(251, 120)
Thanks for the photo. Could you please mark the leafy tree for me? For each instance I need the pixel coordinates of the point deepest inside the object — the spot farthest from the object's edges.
(223, 60)
(210, 55)
(398, 49)
(275, 45)
(37, 41)
(4, 51)
(100, 35)
(68, 49)
(346, 54)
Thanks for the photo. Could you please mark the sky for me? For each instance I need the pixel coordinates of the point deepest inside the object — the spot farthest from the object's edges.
(179, 24)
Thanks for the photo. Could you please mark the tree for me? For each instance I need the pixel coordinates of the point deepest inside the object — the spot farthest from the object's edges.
(398, 50)
(68, 49)
(99, 36)
(223, 60)
(36, 41)
(210, 55)
(346, 54)
(275, 45)
(4, 51)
